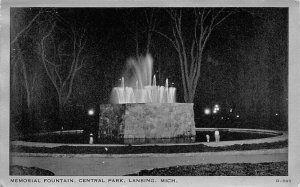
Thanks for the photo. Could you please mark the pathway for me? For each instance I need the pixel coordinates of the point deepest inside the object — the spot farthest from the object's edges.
(109, 165)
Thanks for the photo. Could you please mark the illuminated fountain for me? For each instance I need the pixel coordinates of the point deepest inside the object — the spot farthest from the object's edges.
(144, 112)
(145, 94)
(141, 88)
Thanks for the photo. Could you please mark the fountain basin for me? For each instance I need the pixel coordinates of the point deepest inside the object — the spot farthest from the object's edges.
(229, 136)
(135, 121)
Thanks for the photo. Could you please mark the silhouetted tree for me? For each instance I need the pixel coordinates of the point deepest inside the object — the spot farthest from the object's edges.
(190, 41)
(62, 55)
(24, 69)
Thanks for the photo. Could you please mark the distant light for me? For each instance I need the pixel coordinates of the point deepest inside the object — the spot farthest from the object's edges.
(276, 114)
(91, 112)
(221, 117)
(91, 141)
(217, 107)
(237, 116)
(207, 111)
(217, 133)
(207, 138)
(215, 111)
(230, 110)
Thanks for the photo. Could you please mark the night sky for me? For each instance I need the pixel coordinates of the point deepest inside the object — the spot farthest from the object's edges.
(244, 68)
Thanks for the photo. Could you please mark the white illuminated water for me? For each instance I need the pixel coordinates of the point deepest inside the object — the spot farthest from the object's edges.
(141, 86)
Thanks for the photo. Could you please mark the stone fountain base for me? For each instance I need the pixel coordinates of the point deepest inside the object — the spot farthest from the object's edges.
(146, 121)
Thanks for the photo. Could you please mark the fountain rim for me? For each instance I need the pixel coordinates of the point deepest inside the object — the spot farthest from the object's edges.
(281, 136)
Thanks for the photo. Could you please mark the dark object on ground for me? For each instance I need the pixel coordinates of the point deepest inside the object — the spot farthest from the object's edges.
(145, 149)
(236, 169)
(21, 170)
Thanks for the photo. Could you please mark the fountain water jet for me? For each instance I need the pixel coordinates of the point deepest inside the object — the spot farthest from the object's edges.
(145, 89)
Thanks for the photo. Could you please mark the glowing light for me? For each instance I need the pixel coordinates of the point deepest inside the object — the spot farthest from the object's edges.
(91, 112)
(217, 107)
(217, 133)
(230, 110)
(207, 138)
(217, 136)
(237, 116)
(276, 114)
(207, 111)
(91, 141)
(221, 117)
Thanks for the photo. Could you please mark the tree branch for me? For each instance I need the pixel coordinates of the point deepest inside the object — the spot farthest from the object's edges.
(229, 14)
(29, 25)
(44, 58)
(168, 38)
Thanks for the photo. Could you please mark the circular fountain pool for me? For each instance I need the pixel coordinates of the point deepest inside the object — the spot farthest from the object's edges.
(107, 159)
(226, 135)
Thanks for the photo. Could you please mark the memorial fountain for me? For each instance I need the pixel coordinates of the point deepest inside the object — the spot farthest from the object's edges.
(142, 111)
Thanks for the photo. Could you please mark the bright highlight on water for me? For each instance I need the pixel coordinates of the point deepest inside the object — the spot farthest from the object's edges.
(141, 85)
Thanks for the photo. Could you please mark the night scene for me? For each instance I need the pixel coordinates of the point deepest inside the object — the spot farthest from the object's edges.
(148, 91)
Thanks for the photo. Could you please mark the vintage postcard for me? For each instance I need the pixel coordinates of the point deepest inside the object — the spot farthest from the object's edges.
(149, 93)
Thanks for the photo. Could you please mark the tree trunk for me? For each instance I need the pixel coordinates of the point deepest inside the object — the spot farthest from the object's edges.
(60, 113)
(30, 113)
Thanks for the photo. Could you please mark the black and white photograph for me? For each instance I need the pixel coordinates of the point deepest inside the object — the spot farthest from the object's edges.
(146, 95)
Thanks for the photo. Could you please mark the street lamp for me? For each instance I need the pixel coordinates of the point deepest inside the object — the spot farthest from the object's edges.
(207, 111)
(91, 112)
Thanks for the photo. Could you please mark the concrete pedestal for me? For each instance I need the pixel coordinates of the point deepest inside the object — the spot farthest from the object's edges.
(147, 121)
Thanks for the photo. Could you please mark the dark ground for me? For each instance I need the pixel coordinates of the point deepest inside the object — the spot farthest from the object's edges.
(237, 169)
(34, 171)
